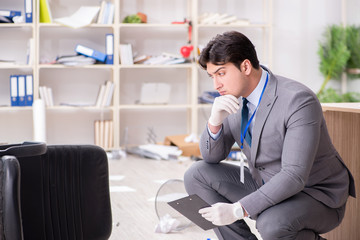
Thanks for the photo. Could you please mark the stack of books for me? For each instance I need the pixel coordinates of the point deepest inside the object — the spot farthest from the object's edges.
(105, 94)
(46, 95)
(106, 14)
(104, 133)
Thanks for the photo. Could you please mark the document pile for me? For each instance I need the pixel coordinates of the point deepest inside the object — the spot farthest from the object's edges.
(75, 60)
(8, 16)
(221, 19)
(82, 17)
(166, 59)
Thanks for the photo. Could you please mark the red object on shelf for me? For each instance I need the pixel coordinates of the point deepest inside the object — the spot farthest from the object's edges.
(186, 51)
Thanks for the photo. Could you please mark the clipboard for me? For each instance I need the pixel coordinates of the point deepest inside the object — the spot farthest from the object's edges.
(189, 207)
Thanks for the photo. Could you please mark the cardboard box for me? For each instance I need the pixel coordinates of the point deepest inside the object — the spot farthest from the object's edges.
(188, 148)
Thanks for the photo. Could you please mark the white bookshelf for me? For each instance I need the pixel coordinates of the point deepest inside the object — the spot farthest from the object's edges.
(79, 85)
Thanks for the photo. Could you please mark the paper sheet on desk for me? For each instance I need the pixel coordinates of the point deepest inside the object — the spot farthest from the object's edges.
(82, 17)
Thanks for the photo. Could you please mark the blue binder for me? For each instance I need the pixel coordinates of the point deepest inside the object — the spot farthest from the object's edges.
(109, 48)
(21, 90)
(14, 90)
(90, 53)
(9, 13)
(28, 11)
(29, 85)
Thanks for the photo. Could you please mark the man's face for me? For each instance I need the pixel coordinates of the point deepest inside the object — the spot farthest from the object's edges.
(228, 79)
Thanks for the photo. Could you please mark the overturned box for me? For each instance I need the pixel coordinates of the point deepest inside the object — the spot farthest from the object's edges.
(188, 148)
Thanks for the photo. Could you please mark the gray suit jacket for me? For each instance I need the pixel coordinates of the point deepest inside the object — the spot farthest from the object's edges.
(291, 149)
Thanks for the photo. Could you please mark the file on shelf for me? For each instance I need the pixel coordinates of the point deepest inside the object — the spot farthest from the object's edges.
(99, 56)
(21, 90)
(9, 13)
(14, 90)
(28, 11)
(45, 12)
(109, 48)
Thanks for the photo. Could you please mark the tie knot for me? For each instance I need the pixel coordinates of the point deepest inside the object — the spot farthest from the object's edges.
(245, 101)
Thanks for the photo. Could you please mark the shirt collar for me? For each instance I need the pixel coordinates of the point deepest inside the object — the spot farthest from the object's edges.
(254, 96)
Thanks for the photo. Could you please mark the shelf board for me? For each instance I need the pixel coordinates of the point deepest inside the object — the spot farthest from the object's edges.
(57, 25)
(57, 66)
(251, 25)
(76, 108)
(152, 25)
(16, 25)
(184, 65)
(9, 108)
(153, 106)
(15, 66)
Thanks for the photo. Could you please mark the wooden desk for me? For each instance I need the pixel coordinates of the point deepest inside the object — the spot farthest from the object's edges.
(343, 123)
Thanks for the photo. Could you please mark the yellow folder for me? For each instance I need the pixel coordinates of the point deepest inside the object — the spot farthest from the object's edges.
(45, 13)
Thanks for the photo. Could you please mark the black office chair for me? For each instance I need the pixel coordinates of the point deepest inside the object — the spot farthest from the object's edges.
(64, 192)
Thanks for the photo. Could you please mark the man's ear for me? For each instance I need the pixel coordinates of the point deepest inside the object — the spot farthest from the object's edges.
(246, 66)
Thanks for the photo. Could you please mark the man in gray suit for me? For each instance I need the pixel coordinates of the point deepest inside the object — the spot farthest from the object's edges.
(297, 185)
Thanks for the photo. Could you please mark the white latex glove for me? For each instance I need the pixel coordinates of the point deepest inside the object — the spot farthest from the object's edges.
(219, 214)
(222, 107)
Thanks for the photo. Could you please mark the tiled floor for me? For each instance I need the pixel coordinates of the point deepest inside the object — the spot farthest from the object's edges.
(134, 183)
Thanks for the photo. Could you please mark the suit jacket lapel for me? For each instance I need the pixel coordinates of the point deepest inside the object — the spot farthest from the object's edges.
(262, 113)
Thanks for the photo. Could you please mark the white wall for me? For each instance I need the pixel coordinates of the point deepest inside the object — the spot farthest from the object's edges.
(298, 28)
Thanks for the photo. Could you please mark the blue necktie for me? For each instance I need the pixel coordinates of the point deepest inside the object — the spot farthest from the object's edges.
(244, 121)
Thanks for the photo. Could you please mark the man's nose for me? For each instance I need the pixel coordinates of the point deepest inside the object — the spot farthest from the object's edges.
(217, 83)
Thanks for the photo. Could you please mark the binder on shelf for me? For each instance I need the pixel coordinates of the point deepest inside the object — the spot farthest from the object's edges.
(21, 90)
(28, 11)
(109, 48)
(14, 90)
(29, 85)
(9, 13)
(90, 53)
(110, 13)
(45, 13)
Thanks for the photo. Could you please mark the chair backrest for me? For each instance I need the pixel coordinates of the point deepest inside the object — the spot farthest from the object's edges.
(10, 207)
(10, 217)
(65, 193)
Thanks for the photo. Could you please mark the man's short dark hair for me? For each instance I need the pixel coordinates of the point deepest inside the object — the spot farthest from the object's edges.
(233, 47)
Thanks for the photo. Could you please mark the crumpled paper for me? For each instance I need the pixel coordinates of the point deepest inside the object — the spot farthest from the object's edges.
(192, 138)
(167, 224)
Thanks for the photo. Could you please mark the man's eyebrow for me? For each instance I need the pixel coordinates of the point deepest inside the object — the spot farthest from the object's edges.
(216, 71)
